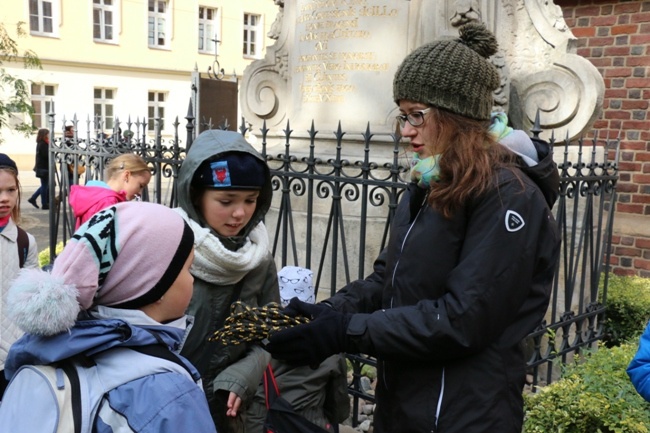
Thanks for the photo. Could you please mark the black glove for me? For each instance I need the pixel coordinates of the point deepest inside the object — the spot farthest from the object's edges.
(313, 342)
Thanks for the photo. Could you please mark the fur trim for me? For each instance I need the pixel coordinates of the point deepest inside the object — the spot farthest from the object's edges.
(41, 304)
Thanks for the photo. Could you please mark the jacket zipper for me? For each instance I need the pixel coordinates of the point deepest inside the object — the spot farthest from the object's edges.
(397, 264)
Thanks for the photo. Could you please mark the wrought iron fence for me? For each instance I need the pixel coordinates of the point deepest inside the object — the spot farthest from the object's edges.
(335, 195)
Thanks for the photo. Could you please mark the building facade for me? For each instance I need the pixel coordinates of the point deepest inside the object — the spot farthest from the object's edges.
(115, 60)
(615, 37)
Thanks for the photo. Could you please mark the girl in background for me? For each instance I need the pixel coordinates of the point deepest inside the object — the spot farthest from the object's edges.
(126, 177)
(9, 218)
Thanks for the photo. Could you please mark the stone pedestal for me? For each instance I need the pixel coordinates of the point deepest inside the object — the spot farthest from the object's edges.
(335, 60)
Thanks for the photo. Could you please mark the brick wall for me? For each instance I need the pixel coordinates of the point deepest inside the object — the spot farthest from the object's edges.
(615, 37)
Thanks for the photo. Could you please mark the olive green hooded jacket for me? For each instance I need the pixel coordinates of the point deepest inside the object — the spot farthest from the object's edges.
(225, 368)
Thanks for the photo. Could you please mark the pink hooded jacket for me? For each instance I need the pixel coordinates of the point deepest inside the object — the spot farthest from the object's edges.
(86, 201)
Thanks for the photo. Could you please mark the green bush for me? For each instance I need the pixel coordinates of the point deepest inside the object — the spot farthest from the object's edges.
(628, 308)
(594, 395)
(44, 255)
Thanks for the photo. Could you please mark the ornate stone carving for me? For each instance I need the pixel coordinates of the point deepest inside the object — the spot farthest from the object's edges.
(332, 57)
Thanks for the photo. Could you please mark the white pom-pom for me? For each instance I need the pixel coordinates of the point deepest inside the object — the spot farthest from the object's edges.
(41, 304)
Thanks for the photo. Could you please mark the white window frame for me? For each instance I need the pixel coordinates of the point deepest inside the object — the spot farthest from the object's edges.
(158, 107)
(157, 17)
(42, 103)
(113, 10)
(209, 27)
(42, 19)
(252, 36)
(104, 102)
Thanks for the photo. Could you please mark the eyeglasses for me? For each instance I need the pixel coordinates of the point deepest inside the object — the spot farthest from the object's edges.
(416, 118)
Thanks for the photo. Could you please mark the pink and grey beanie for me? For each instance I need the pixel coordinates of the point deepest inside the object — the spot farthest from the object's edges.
(125, 256)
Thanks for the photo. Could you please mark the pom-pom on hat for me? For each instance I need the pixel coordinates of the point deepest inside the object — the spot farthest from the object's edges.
(6, 162)
(125, 256)
(231, 170)
(454, 75)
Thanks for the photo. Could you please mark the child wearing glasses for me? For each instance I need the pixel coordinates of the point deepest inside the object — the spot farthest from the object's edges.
(126, 175)
(224, 188)
(468, 269)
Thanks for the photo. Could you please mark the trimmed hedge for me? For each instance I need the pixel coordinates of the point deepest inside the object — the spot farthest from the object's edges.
(594, 395)
(628, 308)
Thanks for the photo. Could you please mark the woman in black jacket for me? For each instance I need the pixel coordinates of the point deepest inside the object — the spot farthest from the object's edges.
(468, 269)
(42, 169)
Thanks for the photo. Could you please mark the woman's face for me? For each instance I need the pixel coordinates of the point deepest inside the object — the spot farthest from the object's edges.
(8, 193)
(134, 184)
(228, 211)
(420, 137)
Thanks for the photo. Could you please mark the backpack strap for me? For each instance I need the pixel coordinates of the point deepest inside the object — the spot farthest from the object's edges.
(22, 242)
(75, 386)
(161, 351)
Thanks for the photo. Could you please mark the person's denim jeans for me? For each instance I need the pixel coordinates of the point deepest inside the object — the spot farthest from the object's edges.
(44, 192)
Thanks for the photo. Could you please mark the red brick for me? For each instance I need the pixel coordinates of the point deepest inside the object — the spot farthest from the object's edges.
(642, 264)
(629, 166)
(616, 239)
(635, 105)
(601, 42)
(617, 115)
(603, 21)
(601, 62)
(615, 93)
(641, 178)
(643, 243)
(639, 39)
(633, 145)
(618, 72)
(627, 8)
(641, 17)
(627, 187)
(627, 240)
(629, 208)
(643, 156)
(637, 83)
(627, 252)
(613, 260)
(638, 61)
(641, 198)
(635, 124)
(625, 272)
(587, 11)
(628, 29)
(584, 32)
(618, 50)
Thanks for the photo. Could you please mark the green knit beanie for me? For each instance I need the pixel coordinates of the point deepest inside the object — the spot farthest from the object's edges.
(452, 74)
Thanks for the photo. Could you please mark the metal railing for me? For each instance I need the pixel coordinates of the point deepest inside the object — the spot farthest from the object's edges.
(332, 213)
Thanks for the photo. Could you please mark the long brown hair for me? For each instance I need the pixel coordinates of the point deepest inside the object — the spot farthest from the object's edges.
(42, 133)
(468, 162)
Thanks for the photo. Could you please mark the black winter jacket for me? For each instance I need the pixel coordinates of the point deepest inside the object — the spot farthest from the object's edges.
(450, 301)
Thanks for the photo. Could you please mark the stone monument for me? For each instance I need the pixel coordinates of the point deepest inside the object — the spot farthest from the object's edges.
(335, 60)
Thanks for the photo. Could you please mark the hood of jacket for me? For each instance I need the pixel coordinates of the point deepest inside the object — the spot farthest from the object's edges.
(207, 145)
(545, 174)
(89, 336)
(83, 198)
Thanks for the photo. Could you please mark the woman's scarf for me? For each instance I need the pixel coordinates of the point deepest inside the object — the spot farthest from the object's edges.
(426, 170)
(216, 264)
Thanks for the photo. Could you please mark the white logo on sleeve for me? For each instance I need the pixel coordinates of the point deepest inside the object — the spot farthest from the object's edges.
(514, 221)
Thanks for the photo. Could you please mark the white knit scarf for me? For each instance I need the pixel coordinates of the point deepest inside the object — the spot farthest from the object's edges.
(216, 264)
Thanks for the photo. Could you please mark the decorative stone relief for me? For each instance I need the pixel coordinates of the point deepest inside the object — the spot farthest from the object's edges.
(335, 59)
